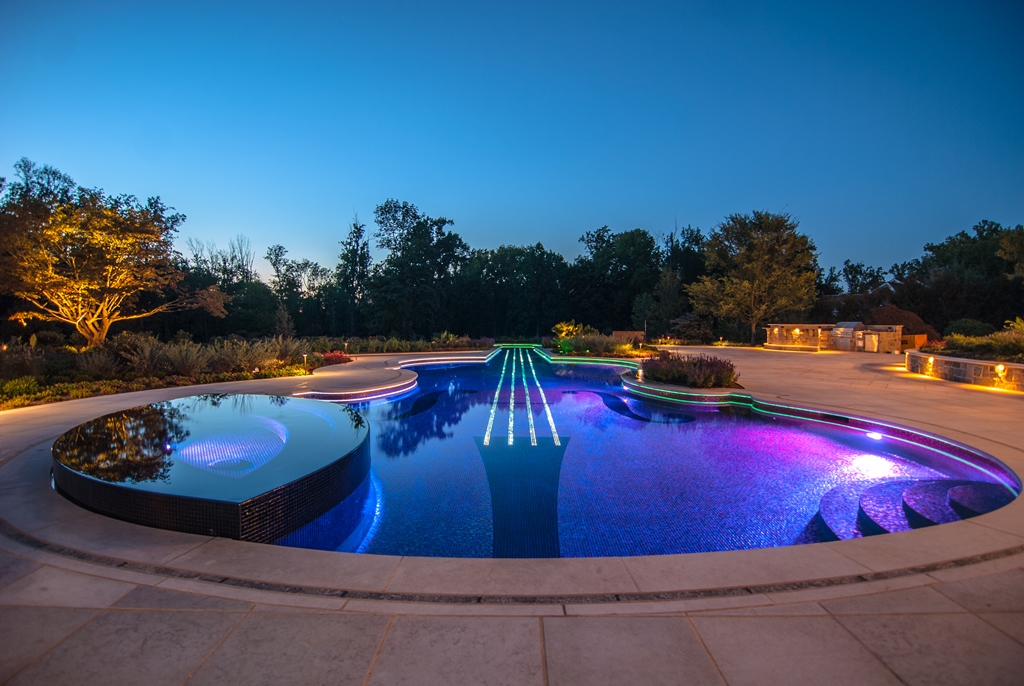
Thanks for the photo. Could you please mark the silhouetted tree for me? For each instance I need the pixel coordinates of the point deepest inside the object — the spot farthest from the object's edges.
(761, 266)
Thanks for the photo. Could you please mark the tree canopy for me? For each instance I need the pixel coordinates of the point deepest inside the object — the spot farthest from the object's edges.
(79, 256)
(760, 267)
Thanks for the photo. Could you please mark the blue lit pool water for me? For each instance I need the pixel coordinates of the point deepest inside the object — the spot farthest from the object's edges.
(524, 458)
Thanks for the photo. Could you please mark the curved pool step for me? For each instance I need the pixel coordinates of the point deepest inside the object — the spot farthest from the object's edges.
(926, 502)
(975, 499)
(880, 508)
(837, 509)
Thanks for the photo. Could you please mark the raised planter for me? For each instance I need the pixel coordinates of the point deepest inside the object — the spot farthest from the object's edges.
(978, 372)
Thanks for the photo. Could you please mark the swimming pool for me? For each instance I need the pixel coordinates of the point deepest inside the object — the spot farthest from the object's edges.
(522, 457)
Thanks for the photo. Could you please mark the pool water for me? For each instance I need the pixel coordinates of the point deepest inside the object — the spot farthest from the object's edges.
(525, 458)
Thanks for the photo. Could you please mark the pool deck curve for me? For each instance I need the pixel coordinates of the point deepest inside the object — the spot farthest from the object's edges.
(967, 576)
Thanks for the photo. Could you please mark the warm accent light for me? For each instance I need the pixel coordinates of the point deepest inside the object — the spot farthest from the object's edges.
(1000, 369)
(796, 332)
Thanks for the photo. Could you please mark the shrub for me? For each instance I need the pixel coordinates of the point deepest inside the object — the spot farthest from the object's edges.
(23, 385)
(259, 355)
(99, 363)
(1001, 346)
(694, 371)
(17, 360)
(51, 339)
(286, 350)
(336, 357)
(186, 358)
(969, 327)
(144, 355)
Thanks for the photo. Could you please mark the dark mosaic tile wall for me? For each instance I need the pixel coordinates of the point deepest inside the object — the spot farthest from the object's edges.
(264, 518)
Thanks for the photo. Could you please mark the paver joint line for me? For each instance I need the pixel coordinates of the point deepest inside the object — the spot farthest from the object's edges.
(318, 591)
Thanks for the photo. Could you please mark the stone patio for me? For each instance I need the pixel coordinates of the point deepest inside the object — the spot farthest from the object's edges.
(85, 599)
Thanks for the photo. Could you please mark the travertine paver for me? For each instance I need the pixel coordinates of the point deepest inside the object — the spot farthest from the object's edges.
(26, 633)
(1010, 623)
(592, 651)
(53, 587)
(13, 567)
(489, 651)
(922, 599)
(1001, 591)
(934, 649)
(132, 647)
(291, 648)
(789, 650)
(149, 598)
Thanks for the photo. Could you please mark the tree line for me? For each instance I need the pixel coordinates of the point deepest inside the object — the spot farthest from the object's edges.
(88, 260)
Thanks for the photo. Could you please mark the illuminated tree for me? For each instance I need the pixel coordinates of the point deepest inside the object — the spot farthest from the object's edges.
(761, 266)
(78, 256)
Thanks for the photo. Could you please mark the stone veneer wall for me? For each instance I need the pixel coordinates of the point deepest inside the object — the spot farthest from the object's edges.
(977, 372)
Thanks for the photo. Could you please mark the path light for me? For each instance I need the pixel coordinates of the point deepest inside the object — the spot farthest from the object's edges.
(304, 365)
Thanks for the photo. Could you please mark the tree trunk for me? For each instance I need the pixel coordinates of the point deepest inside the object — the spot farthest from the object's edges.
(95, 334)
(753, 333)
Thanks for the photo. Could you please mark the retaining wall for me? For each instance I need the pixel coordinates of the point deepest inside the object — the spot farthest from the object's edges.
(977, 372)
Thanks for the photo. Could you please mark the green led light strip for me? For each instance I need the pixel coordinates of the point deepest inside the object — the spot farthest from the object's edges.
(526, 390)
(543, 399)
(494, 405)
(512, 404)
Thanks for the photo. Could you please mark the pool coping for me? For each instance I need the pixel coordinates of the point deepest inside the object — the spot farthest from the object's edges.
(580, 580)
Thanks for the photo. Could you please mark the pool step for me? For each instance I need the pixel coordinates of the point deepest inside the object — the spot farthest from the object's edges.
(978, 498)
(870, 508)
(880, 508)
(926, 503)
(838, 509)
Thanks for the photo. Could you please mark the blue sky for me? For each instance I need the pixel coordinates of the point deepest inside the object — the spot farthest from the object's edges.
(879, 126)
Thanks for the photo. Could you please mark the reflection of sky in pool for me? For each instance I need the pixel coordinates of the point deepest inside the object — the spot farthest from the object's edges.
(562, 462)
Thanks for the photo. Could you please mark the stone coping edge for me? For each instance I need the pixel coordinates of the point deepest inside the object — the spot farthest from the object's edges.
(18, 536)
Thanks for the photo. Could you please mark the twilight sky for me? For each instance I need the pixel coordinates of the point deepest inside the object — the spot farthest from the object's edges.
(880, 126)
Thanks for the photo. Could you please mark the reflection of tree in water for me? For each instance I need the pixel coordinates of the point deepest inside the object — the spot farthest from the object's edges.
(406, 429)
(126, 447)
(240, 402)
(358, 421)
